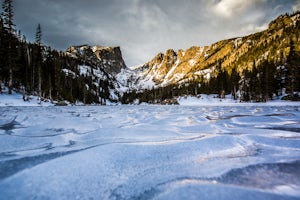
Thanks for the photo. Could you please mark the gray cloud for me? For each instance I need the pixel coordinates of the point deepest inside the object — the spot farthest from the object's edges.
(233, 8)
(296, 6)
(144, 28)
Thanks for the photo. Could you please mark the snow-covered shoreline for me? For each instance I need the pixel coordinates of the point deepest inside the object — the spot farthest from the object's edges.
(16, 99)
(211, 100)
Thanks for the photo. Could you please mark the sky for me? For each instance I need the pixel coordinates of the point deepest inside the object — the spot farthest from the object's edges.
(144, 28)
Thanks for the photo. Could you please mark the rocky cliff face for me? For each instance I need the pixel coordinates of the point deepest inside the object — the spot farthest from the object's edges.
(108, 58)
(242, 53)
(98, 68)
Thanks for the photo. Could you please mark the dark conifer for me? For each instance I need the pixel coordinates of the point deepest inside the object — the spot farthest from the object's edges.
(39, 58)
(9, 30)
(293, 70)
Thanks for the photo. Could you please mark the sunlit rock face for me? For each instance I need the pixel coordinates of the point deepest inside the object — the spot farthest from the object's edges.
(241, 53)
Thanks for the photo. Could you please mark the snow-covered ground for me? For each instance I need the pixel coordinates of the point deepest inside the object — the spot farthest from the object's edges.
(16, 99)
(150, 152)
(213, 100)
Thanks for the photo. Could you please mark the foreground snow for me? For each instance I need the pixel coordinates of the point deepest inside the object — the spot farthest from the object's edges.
(150, 152)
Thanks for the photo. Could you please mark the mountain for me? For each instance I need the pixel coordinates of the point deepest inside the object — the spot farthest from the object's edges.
(252, 68)
(110, 61)
(242, 53)
(103, 65)
(108, 58)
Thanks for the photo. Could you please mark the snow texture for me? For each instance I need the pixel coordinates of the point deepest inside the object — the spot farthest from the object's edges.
(150, 152)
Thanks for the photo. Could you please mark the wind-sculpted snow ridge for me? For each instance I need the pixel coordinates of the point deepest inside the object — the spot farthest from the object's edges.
(150, 152)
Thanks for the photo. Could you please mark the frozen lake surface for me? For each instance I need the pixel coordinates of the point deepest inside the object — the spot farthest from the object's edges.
(150, 152)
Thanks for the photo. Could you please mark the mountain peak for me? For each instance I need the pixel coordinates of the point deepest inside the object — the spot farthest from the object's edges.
(109, 58)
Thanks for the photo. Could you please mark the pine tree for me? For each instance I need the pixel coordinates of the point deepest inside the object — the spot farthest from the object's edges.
(234, 80)
(38, 39)
(1, 52)
(293, 70)
(8, 15)
(9, 27)
(244, 84)
(38, 35)
(269, 84)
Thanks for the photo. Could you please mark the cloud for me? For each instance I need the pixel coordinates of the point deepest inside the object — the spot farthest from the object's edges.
(230, 8)
(144, 16)
(296, 6)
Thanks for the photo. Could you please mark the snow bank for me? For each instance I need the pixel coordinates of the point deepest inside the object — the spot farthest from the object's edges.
(213, 100)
